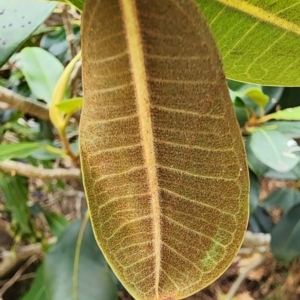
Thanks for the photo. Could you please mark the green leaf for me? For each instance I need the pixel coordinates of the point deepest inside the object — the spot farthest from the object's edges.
(69, 106)
(18, 20)
(56, 222)
(15, 190)
(254, 163)
(285, 239)
(20, 150)
(259, 40)
(254, 192)
(288, 128)
(41, 70)
(257, 96)
(293, 174)
(77, 262)
(274, 149)
(37, 290)
(287, 114)
(283, 198)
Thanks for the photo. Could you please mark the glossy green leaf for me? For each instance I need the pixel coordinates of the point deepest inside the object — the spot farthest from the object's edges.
(274, 149)
(41, 70)
(69, 106)
(20, 150)
(18, 19)
(283, 198)
(37, 289)
(56, 222)
(74, 268)
(15, 190)
(285, 237)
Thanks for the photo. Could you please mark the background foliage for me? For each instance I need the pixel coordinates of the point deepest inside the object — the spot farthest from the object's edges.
(42, 202)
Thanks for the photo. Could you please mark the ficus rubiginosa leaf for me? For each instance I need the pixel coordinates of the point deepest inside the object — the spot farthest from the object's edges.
(162, 157)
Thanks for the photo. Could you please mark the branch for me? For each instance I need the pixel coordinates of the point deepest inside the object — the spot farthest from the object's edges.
(234, 288)
(9, 259)
(23, 104)
(43, 174)
(17, 275)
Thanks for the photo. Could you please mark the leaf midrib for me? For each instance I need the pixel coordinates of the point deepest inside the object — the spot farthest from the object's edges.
(262, 15)
(136, 53)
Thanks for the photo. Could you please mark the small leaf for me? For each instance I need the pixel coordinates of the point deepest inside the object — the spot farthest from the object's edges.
(56, 222)
(273, 149)
(18, 20)
(41, 70)
(257, 96)
(283, 198)
(285, 237)
(15, 190)
(69, 106)
(20, 150)
(76, 269)
(286, 114)
(58, 94)
(37, 289)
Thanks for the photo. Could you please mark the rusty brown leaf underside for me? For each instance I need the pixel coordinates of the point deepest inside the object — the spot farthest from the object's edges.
(162, 157)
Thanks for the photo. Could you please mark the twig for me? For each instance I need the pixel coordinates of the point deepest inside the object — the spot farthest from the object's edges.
(75, 75)
(69, 31)
(67, 148)
(9, 259)
(17, 275)
(242, 277)
(23, 104)
(22, 277)
(30, 171)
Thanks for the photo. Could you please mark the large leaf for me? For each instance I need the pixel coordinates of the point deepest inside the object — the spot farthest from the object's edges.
(162, 155)
(258, 40)
(74, 268)
(18, 19)
(285, 237)
(41, 70)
